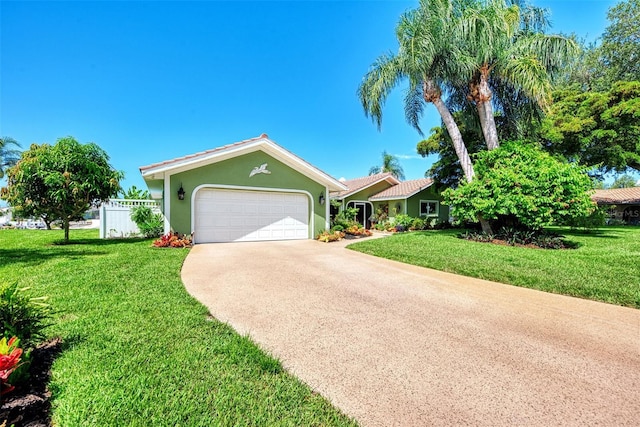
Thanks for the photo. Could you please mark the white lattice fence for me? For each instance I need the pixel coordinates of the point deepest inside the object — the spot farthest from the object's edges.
(115, 217)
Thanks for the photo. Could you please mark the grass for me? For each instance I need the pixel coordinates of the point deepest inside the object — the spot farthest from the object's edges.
(605, 266)
(138, 350)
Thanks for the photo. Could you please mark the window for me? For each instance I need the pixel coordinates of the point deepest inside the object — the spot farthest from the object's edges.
(429, 207)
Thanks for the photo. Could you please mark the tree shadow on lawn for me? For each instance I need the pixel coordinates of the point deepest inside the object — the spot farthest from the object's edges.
(75, 249)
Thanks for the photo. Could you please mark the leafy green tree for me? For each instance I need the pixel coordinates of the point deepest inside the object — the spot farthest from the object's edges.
(9, 154)
(390, 164)
(429, 58)
(134, 193)
(520, 185)
(624, 181)
(61, 181)
(597, 129)
(619, 52)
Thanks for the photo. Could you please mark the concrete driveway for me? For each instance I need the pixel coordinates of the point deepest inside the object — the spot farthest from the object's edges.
(397, 345)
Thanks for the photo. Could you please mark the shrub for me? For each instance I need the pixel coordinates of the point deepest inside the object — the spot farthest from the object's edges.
(418, 224)
(346, 218)
(10, 355)
(520, 184)
(402, 220)
(173, 240)
(23, 316)
(588, 222)
(150, 224)
(330, 236)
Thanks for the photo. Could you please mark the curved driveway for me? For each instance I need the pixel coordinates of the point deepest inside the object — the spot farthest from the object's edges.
(397, 345)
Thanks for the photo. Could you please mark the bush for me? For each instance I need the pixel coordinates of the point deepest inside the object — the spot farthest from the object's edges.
(345, 218)
(150, 224)
(330, 236)
(10, 355)
(418, 224)
(23, 316)
(519, 184)
(173, 240)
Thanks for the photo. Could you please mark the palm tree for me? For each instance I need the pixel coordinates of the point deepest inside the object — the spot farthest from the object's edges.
(8, 156)
(390, 164)
(510, 50)
(430, 59)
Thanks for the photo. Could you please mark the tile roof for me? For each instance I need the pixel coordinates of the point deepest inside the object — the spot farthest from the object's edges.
(403, 190)
(357, 184)
(622, 196)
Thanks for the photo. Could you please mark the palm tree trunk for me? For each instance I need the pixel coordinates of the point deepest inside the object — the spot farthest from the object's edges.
(431, 93)
(485, 110)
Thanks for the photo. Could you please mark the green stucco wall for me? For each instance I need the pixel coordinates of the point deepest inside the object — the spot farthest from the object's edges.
(413, 205)
(235, 172)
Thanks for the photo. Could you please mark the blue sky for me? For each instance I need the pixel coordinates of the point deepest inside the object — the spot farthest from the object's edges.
(153, 80)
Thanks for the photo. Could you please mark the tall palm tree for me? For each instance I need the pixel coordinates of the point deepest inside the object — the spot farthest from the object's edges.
(510, 49)
(390, 164)
(428, 58)
(8, 156)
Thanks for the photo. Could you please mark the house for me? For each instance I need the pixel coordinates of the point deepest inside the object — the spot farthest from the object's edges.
(384, 195)
(247, 191)
(623, 203)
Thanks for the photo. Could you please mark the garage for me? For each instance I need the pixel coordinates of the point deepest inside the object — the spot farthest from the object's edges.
(247, 191)
(246, 216)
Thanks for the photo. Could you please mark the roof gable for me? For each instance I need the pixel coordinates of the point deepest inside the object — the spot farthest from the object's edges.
(260, 143)
(358, 184)
(403, 190)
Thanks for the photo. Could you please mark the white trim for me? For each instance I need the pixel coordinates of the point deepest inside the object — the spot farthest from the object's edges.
(167, 203)
(327, 209)
(343, 196)
(247, 188)
(437, 202)
(235, 150)
(366, 202)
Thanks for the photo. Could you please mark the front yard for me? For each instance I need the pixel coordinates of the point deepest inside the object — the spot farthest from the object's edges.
(605, 266)
(138, 350)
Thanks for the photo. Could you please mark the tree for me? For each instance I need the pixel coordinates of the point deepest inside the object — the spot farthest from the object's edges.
(428, 58)
(61, 181)
(597, 129)
(619, 52)
(134, 193)
(624, 181)
(9, 154)
(510, 51)
(390, 164)
(520, 185)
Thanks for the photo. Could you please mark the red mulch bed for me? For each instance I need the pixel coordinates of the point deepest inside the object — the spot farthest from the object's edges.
(28, 405)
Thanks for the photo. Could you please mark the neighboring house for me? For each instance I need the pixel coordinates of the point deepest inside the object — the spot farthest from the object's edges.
(622, 203)
(383, 193)
(6, 215)
(248, 191)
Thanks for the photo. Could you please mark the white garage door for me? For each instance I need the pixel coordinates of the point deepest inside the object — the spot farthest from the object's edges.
(246, 216)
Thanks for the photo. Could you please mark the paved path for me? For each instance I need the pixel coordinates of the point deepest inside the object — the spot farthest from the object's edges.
(397, 345)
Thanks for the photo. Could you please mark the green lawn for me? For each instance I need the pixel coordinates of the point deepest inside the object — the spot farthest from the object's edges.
(138, 350)
(605, 266)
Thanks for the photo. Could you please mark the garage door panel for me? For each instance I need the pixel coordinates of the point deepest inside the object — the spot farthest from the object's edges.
(233, 215)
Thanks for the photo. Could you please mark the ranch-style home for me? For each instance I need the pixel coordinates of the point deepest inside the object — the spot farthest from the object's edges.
(623, 204)
(383, 194)
(256, 190)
